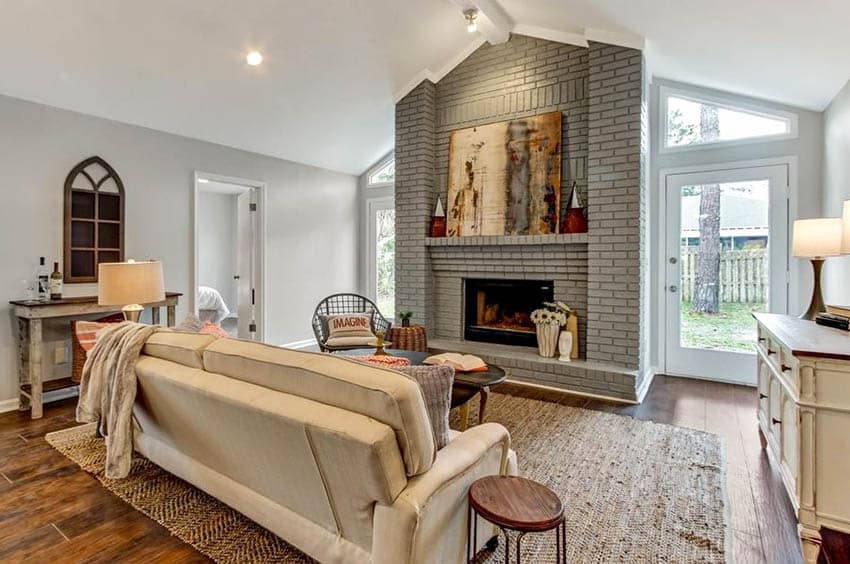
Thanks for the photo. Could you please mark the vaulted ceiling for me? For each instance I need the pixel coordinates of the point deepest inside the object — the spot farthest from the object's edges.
(325, 93)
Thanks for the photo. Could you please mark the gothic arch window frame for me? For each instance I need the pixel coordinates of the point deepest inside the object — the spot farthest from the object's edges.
(74, 251)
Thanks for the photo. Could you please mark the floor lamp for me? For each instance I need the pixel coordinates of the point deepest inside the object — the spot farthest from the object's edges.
(817, 239)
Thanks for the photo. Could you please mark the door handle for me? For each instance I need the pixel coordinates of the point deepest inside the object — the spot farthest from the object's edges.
(776, 421)
(236, 277)
(673, 260)
(673, 288)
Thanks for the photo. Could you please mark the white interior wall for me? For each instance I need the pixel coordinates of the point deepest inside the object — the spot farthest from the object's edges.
(807, 148)
(217, 250)
(836, 188)
(312, 214)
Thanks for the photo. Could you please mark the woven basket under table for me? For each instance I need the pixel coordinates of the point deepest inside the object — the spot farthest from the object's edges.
(411, 338)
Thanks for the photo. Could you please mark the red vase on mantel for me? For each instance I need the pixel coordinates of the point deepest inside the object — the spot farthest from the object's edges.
(575, 221)
(438, 221)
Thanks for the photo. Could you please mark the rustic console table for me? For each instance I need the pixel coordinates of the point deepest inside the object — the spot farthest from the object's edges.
(31, 314)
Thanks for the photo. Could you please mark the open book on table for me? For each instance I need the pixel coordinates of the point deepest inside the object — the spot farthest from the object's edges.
(460, 362)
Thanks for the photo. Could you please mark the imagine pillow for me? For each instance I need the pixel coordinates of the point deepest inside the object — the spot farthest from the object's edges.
(436, 385)
(350, 329)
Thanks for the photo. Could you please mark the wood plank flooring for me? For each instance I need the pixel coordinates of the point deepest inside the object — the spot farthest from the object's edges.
(51, 511)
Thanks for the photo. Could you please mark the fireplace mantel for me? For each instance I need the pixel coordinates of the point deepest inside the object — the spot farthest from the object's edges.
(501, 240)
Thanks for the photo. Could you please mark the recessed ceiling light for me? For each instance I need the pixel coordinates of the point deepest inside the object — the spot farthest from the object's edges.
(471, 25)
(254, 58)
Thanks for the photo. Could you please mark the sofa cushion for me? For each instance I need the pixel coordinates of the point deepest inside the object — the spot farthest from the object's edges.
(379, 393)
(183, 348)
(436, 384)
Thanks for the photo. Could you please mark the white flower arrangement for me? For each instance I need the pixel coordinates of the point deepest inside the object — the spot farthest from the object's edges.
(545, 316)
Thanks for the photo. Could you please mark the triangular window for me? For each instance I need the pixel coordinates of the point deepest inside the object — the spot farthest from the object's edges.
(384, 174)
(694, 121)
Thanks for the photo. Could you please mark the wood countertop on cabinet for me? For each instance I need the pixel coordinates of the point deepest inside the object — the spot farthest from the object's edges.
(807, 338)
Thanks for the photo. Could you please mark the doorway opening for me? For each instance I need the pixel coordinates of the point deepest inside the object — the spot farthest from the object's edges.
(228, 265)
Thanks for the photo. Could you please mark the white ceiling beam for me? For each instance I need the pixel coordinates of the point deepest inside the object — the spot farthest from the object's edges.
(493, 22)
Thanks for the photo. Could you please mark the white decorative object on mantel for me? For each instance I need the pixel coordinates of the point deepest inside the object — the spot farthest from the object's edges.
(547, 339)
(565, 346)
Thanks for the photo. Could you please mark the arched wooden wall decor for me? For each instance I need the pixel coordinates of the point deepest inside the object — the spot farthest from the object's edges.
(94, 219)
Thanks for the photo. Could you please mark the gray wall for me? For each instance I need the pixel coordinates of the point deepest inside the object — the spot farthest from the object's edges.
(312, 214)
(806, 203)
(836, 188)
(217, 244)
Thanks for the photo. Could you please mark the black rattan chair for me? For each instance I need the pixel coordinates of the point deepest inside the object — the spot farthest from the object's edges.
(340, 304)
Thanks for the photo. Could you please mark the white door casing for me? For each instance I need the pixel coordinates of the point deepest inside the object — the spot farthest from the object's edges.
(721, 365)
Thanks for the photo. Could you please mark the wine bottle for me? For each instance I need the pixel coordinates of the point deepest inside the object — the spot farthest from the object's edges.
(56, 283)
(42, 281)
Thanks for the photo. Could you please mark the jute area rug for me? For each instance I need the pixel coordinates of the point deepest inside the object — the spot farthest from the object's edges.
(634, 491)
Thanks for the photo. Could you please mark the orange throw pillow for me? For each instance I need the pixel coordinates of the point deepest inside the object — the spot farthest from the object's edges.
(212, 329)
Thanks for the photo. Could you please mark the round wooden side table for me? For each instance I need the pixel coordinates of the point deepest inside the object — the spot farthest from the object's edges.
(516, 504)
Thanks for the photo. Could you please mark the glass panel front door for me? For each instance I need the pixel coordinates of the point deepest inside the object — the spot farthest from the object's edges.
(727, 252)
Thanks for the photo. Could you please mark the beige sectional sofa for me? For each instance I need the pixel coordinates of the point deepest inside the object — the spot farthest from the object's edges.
(334, 456)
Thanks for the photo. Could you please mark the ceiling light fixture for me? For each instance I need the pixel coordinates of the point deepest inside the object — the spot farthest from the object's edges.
(471, 15)
(254, 58)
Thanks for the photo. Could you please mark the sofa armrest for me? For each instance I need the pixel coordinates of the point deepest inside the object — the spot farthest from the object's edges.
(427, 522)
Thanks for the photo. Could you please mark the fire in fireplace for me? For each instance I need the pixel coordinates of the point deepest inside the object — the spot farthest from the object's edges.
(499, 311)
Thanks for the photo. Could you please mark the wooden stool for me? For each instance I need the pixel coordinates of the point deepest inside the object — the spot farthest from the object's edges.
(517, 504)
(411, 338)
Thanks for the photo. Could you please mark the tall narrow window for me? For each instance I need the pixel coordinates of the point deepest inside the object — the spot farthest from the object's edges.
(382, 254)
(691, 121)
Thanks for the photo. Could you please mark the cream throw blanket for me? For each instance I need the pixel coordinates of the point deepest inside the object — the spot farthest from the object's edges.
(108, 390)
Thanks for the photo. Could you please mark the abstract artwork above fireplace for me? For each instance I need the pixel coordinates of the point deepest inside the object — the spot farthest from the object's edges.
(499, 311)
(505, 178)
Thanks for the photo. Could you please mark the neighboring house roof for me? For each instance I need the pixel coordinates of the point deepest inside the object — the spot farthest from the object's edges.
(739, 214)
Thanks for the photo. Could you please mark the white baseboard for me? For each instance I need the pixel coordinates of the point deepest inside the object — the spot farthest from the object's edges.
(648, 377)
(302, 344)
(14, 403)
(8, 405)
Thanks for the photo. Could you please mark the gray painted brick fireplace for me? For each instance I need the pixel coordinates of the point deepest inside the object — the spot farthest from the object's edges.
(600, 92)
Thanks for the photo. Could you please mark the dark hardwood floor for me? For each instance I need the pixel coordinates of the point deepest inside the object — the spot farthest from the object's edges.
(51, 511)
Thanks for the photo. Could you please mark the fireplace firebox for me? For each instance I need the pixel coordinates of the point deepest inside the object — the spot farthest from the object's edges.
(499, 311)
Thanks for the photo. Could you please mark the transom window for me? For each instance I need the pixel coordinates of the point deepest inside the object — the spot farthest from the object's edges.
(696, 121)
(383, 174)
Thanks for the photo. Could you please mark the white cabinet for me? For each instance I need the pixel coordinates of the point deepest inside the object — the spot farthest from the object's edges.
(804, 419)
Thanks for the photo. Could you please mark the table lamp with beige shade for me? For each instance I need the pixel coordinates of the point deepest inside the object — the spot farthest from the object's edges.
(129, 285)
(817, 239)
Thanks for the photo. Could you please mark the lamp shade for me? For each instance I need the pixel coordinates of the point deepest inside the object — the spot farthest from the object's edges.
(845, 237)
(124, 283)
(818, 237)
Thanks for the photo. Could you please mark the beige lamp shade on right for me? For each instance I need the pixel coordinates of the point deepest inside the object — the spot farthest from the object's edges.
(818, 238)
(130, 284)
(845, 236)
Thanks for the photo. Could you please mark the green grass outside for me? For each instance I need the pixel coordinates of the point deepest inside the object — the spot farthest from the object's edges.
(733, 329)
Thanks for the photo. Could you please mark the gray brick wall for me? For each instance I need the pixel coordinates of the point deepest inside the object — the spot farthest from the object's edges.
(614, 204)
(414, 199)
(598, 90)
